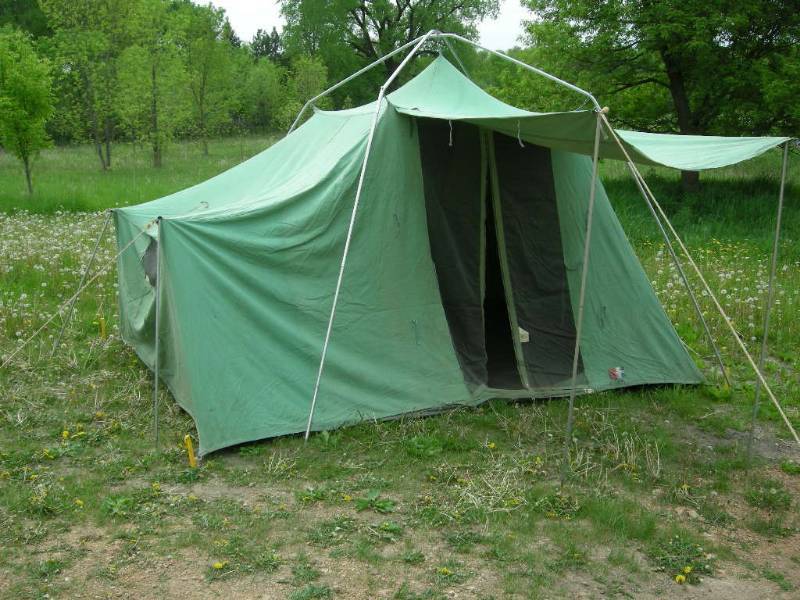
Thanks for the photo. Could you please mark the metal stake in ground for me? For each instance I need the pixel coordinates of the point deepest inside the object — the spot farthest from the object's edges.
(770, 300)
(581, 299)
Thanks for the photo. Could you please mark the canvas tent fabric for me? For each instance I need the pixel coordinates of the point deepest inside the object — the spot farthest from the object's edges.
(442, 92)
(461, 283)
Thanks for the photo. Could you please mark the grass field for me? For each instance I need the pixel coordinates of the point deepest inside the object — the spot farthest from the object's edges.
(465, 504)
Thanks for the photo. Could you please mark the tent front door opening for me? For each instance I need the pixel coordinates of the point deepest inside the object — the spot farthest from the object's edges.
(466, 245)
(494, 231)
(501, 360)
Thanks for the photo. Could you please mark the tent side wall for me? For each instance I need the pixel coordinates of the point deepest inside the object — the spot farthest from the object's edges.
(624, 323)
(246, 300)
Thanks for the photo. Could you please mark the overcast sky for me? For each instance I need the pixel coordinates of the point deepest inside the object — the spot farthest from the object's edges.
(247, 16)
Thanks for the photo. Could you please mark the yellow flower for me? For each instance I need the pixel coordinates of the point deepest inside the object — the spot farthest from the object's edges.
(347, 497)
(156, 487)
(219, 565)
(680, 579)
(64, 434)
(687, 569)
(444, 571)
(78, 502)
(491, 445)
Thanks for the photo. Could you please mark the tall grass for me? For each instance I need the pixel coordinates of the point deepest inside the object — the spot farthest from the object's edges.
(70, 178)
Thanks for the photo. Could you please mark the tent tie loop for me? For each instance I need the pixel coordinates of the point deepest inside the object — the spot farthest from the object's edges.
(519, 134)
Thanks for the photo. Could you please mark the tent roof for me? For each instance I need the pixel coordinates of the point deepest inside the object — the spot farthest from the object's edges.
(442, 92)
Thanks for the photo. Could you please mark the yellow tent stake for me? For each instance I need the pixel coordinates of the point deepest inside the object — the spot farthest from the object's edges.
(187, 441)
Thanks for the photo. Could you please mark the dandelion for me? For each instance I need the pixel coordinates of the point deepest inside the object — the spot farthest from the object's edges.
(347, 497)
(65, 434)
(491, 445)
(680, 579)
(444, 571)
(219, 565)
(687, 569)
(78, 502)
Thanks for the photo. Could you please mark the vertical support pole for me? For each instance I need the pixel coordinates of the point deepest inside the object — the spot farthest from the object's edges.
(770, 300)
(350, 227)
(679, 266)
(157, 360)
(581, 299)
(86, 270)
(708, 289)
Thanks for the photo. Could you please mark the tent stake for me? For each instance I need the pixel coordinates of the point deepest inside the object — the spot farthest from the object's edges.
(581, 300)
(350, 227)
(770, 300)
(157, 331)
(685, 279)
(86, 270)
(708, 289)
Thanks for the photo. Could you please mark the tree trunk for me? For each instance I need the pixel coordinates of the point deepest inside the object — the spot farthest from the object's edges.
(203, 136)
(155, 136)
(109, 129)
(690, 180)
(27, 164)
(89, 99)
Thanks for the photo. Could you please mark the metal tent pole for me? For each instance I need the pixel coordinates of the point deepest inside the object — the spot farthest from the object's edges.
(372, 128)
(157, 334)
(679, 266)
(455, 55)
(86, 270)
(544, 74)
(353, 76)
(581, 300)
(770, 299)
(708, 289)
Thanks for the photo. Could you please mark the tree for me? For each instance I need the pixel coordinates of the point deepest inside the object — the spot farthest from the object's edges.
(713, 66)
(263, 95)
(267, 45)
(89, 37)
(25, 98)
(151, 98)
(308, 77)
(338, 30)
(25, 15)
(207, 57)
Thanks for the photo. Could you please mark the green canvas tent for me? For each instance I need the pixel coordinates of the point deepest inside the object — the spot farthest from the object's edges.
(462, 278)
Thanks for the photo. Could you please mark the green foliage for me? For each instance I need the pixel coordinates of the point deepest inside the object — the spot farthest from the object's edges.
(25, 98)
(373, 501)
(348, 34)
(699, 67)
(769, 495)
(680, 556)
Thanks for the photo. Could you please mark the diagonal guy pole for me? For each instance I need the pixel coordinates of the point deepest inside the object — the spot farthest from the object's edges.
(682, 273)
(708, 289)
(86, 270)
(350, 227)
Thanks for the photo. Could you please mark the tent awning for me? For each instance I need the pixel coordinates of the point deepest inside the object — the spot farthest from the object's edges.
(443, 92)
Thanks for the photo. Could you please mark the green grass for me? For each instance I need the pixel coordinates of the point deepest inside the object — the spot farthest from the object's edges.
(71, 178)
(414, 508)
